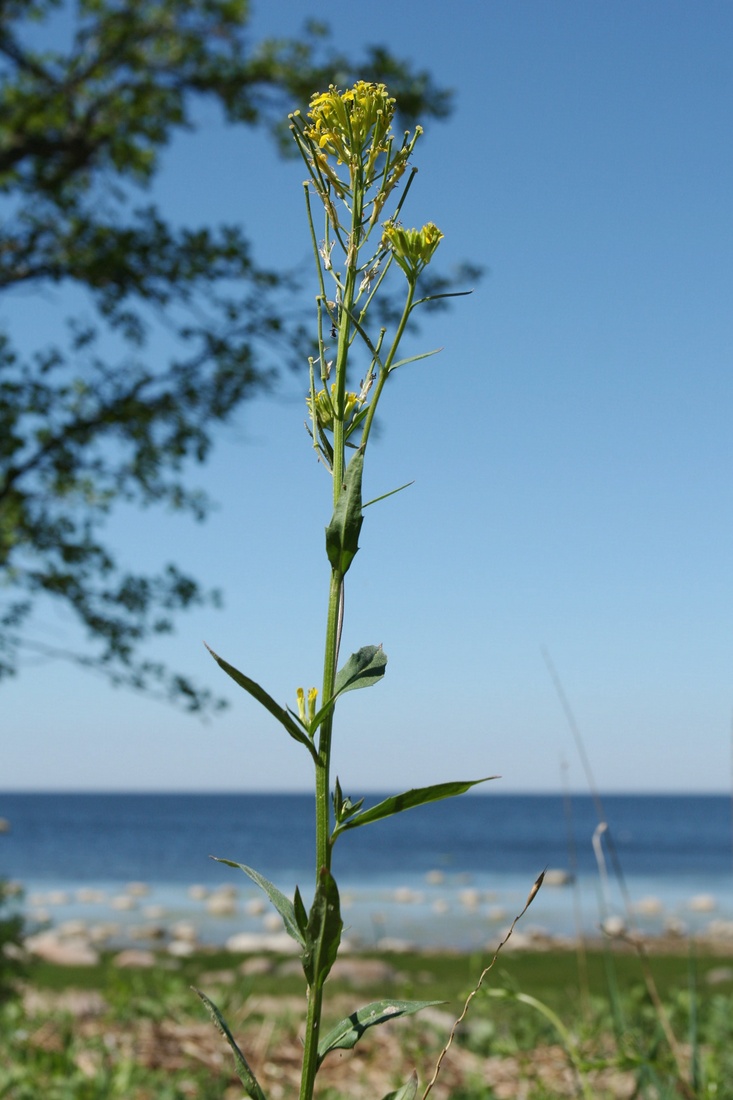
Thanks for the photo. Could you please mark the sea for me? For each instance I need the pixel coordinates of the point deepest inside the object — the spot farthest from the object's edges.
(450, 875)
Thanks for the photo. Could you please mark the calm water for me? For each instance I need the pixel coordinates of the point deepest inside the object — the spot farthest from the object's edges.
(447, 873)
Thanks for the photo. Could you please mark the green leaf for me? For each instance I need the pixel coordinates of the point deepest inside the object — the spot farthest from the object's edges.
(342, 533)
(362, 669)
(344, 807)
(407, 801)
(267, 702)
(415, 358)
(283, 904)
(347, 1032)
(323, 934)
(301, 916)
(407, 1092)
(245, 1074)
(391, 493)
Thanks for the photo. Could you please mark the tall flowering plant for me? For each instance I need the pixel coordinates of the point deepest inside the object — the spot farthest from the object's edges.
(355, 167)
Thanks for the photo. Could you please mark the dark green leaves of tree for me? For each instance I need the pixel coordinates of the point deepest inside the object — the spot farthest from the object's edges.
(95, 419)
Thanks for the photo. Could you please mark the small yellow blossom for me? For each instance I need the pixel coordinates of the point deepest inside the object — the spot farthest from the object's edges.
(300, 695)
(325, 406)
(312, 696)
(413, 249)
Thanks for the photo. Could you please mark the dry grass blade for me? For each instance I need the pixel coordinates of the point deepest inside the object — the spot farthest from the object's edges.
(683, 1077)
(530, 898)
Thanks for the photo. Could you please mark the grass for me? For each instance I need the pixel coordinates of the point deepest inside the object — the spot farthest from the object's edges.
(147, 1037)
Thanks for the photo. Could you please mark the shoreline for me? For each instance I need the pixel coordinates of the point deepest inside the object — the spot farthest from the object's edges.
(84, 922)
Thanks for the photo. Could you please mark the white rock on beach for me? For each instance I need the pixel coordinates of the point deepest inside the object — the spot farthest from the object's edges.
(72, 928)
(181, 949)
(556, 876)
(470, 899)
(702, 903)
(649, 907)
(134, 958)
(248, 943)
(123, 903)
(74, 951)
(58, 897)
(221, 905)
(101, 933)
(138, 889)
(614, 926)
(255, 907)
(184, 930)
(89, 896)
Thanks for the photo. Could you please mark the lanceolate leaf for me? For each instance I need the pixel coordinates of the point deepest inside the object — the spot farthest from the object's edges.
(414, 358)
(323, 934)
(407, 1092)
(408, 801)
(301, 916)
(391, 493)
(342, 533)
(347, 1032)
(267, 702)
(283, 904)
(245, 1074)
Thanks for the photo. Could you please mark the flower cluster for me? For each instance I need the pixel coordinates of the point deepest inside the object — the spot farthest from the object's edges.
(324, 410)
(352, 128)
(413, 249)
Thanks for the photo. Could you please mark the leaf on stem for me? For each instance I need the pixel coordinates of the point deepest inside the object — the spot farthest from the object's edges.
(407, 1092)
(259, 693)
(301, 915)
(347, 1032)
(342, 533)
(362, 669)
(323, 934)
(283, 904)
(391, 493)
(414, 358)
(245, 1074)
(408, 800)
(344, 808)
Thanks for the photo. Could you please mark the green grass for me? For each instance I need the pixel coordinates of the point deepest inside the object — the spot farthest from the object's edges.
(511, 1018)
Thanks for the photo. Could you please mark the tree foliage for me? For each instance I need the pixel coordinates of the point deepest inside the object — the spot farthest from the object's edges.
(95, 418)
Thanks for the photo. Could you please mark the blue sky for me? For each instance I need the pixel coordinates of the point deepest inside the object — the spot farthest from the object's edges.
(571, 446)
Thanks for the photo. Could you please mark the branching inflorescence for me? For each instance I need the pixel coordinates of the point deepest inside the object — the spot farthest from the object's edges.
(354, 168)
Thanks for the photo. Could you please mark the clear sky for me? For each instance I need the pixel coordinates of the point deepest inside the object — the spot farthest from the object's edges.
(572, 446)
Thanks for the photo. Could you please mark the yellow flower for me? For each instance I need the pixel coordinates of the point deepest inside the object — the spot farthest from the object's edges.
(312, 696)
(352, 125)
(413, 249)
(325, 406)
(300, 696)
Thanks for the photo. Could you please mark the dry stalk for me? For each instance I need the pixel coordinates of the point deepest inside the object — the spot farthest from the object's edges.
(532, 895)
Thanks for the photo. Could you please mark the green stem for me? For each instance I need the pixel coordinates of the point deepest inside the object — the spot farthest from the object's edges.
(330, 665)
(386, 366)
(312, 1033)
(333, 630)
